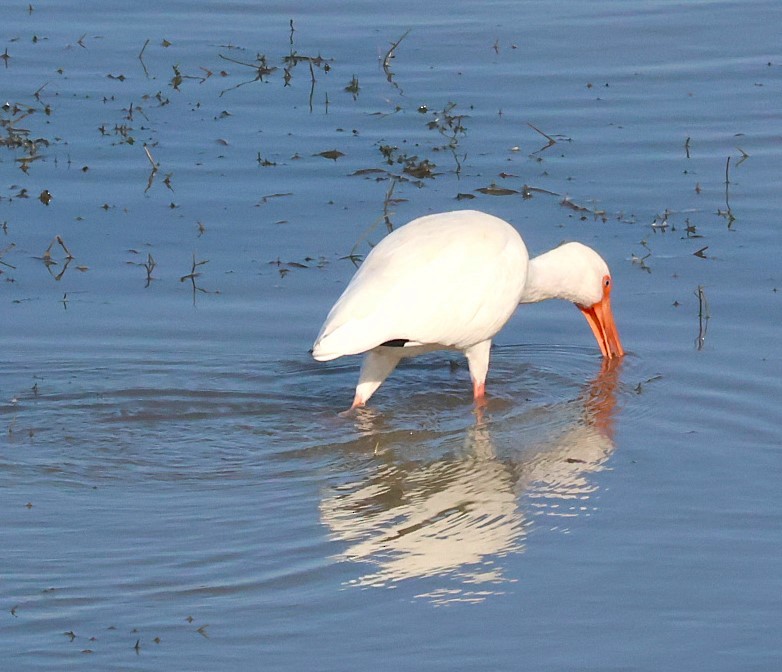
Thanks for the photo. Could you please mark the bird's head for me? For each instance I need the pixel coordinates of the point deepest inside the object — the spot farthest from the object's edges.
(590, 281)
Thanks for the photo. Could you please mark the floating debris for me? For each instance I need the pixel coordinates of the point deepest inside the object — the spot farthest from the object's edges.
(353, 88)
(332, 154)
(494, 190)
(265, 199)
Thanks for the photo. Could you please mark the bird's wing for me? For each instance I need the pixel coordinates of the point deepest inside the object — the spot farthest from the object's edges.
(452, 282)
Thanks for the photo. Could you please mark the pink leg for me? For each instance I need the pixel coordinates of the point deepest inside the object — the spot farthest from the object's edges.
(357, 403)
(478, 361)
(478, 390)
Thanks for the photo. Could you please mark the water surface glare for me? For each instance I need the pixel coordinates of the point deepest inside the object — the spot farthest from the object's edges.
(185, 191)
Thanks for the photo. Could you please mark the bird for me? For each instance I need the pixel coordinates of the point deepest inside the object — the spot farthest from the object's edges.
(450, 281)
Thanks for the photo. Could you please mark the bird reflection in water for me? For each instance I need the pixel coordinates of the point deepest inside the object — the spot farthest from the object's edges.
(454, 516)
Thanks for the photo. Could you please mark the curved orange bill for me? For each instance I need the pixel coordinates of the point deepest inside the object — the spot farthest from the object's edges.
(601, 319)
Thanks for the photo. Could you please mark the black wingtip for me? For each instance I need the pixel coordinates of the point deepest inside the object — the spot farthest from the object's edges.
(396, 343)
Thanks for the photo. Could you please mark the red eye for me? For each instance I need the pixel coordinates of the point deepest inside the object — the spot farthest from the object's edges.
(606, 282)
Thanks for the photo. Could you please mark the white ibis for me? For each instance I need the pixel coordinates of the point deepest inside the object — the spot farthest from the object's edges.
(451, 281)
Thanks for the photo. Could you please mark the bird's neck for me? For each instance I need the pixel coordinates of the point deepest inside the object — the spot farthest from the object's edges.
(548, 277)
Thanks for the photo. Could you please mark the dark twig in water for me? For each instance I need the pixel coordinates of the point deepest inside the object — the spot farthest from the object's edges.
(141, 58)
(567, 203)
(312, 83)
(451, 127)
(641, 261)
(727, 213)
(388, 201)
(193, 275)
(46, 257)
(551, 140)
(63, 246)
(260, 66)
(3, 252)
(293, 59)
(155, 167)
(703, 317)
(353, 255)
(149, 266)
(386, 205)
(387, 60)
(390, 53)
(527, 191)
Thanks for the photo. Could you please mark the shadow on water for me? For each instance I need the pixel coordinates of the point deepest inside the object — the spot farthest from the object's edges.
(449, 504)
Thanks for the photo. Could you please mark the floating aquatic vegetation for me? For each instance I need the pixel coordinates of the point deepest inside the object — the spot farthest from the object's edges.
(178, 79)
(568, 203)
(369, 171)
(17, 138)
(420, 169)
(410, 165)
(691, 230)
(353, 88)
(448, 124)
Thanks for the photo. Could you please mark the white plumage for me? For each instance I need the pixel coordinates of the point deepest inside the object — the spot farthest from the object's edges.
(452, 281)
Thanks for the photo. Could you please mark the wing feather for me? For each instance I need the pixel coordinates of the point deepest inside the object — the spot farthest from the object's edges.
(451, 279)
